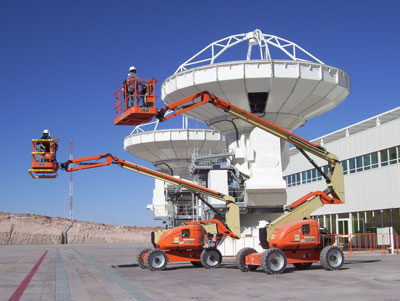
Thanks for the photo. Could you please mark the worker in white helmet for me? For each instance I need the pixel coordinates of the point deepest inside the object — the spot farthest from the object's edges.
(132, 82)
(44, 146)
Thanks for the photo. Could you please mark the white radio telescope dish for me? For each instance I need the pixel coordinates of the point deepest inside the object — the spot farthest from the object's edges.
(287, 92)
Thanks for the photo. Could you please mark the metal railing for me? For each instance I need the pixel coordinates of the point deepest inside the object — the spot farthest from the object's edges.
(135, 93)
(44, 162)
(383, 244)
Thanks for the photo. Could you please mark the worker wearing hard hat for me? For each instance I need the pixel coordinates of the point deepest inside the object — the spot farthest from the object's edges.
(132, 82)
(46, 134)
(132, 73)
(45, 146)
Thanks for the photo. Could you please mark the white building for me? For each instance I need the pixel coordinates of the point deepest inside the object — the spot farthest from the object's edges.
(370, 154)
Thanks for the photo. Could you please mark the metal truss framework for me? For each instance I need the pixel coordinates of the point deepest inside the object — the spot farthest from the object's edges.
(256, 37)
(216, 49)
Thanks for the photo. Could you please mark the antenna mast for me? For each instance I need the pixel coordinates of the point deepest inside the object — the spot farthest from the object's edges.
(71, 187)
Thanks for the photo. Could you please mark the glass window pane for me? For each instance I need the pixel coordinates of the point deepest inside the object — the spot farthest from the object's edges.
(319, 176)
(303, 177)
(328, 223)
(379, 221)
(333, 224)
(352, 165)
(384, 157)
(367, 161)
(396, 220)
(308, 172)
(344, 164)
(343, 227)
(298, 178)
(314, 175)
(398, 154)
(374, 159)
(387, 218)
(287, 180)
(355, 223)
(361, 223)
(392, 155)
(370, 223)
(359, 163)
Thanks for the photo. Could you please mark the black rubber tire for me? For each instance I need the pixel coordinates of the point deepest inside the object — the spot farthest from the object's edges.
(139, 259)
(240, 260)
(156, 260)
(331, 258)
(211, 258)
(273, 261)
(303, 265)
(197, 264)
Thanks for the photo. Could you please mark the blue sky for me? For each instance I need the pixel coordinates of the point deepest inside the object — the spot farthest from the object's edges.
(61, 61)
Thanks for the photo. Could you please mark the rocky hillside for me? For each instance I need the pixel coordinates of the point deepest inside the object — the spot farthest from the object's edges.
(32, 229)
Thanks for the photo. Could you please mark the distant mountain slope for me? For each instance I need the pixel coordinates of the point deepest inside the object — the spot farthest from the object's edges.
(33, 229)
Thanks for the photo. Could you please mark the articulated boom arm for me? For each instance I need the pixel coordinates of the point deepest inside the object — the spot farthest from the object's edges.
(302, 208)
(334, 178)
(232, 214)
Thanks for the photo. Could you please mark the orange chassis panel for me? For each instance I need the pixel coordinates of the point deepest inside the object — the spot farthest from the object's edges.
(136, 116)
(300, 256)
(180, 256)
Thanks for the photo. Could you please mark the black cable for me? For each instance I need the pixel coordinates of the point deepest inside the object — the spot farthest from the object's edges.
(170, 169)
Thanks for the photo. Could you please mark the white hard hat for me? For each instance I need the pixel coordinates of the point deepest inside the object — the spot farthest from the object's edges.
(131, 68)
(46, 132)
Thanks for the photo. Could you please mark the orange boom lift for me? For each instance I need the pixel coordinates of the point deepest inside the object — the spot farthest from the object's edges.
(194, 242)
(293, 237)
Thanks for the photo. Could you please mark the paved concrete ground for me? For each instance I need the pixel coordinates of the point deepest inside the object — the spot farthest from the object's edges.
(109, 272)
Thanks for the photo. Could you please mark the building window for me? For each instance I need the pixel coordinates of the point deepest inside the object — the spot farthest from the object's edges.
(396, 219)
(314, 175)
(344, 164)
(384, 157)
(370, 161)
(374, 160)
(328, 223)
(389, 156)
(392, 155)
(306, 176)
(288, 181)
(319, 176)
(370, 222)
(359, 163)
(303, 177)
(352, 165)
(298, 178)
(398, 154)
(367, 161)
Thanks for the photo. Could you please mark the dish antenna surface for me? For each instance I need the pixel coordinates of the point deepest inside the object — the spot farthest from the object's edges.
(287, 91)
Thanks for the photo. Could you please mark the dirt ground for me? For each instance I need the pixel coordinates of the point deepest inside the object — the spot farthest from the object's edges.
(33, 229)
